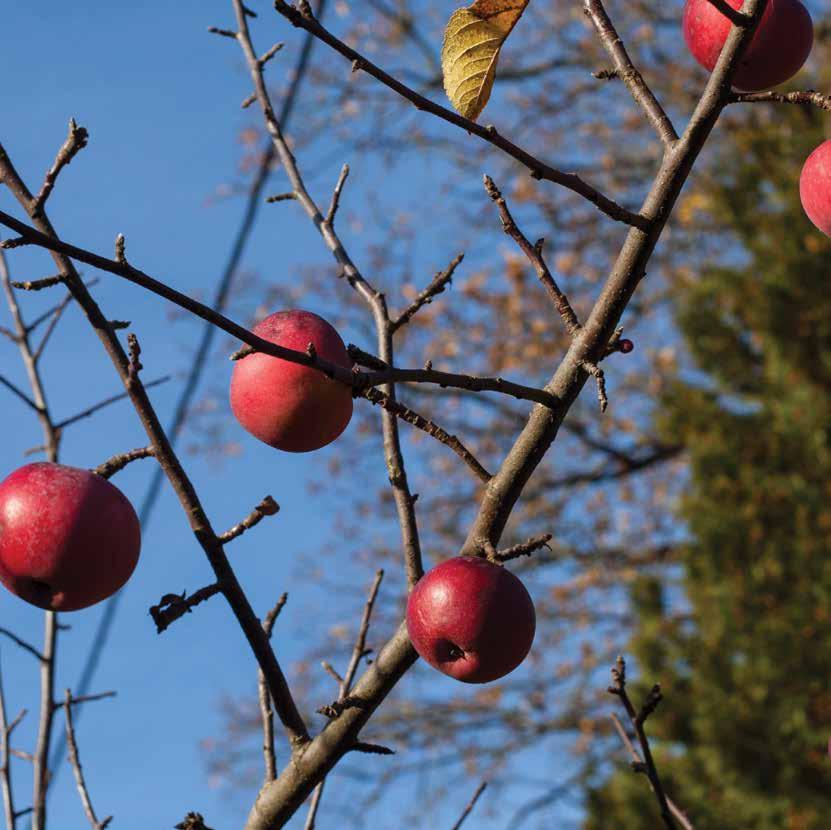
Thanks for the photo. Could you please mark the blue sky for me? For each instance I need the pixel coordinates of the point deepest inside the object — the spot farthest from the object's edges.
(160, 98)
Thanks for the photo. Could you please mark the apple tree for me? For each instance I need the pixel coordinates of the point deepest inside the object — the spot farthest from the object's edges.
(294, 383)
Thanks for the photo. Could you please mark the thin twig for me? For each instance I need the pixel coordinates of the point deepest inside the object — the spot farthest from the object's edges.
(437, 285)
(88, 698)
(626, 70)
(736, 17)
(358, 651)
(523, 548)
(76, 140)
(118, 462)
(430, 427)
(5, 763)
(38, 285)
(647, 764)
(267, 507)
(266, 710)
(97, 407)
(22, 643)
(335, 204)
(58, 308)
(600, 379)
(470, 805)
(534, 255)
(345, 686)
(19, 393)
(75, 761)
(808, 97)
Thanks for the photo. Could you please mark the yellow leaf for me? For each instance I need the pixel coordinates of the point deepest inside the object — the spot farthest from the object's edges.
(472, 41)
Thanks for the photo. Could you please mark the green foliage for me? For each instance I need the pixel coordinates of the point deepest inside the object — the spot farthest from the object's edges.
(741, 651)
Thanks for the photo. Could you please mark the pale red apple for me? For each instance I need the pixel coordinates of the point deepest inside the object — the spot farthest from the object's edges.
(779, 47)
(815, 187)
(68, 538)
(471, 619)
(287, 405)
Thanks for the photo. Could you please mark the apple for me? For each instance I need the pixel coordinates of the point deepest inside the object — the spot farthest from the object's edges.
(286, 405)
(471, 619)
(815, 187)
(779, 47)
(68, 538)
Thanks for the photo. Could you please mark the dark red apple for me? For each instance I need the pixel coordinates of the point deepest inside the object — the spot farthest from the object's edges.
(286, 405)
(815, 187)
(779, 47)
(471, 619)
(68, 538)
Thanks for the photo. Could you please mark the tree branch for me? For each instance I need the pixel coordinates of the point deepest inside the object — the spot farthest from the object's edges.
(537, 168)
(626, 70)
(75, 761)
(534, 255)
(437, 285)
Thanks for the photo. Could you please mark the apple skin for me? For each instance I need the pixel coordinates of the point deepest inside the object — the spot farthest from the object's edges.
(68, 538)
(471, 619)
(780, 45)
(815, 187)
(286, 405)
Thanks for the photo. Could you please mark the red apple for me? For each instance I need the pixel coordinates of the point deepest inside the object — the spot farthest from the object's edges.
(779, 47)
(815, 187)
(471, 619)
(68, 538)
(286, 405)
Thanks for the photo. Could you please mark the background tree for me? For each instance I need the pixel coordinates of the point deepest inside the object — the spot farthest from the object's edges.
(735, 636)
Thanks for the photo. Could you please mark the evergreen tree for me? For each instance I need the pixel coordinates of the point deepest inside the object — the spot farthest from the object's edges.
(740, 740)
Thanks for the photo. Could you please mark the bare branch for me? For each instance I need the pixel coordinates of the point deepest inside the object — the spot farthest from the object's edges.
(446, 379)
(76, 140)
(669, 811)
(430, 427)
(437, 285)
(22, 643)
(344, 701)
(267, 56)
(625, 69)
(331, 671)
(523, 548)
(118, 462)
(534, 255)
(537, 168)
(470, 805)
(38, 285)
(87, 699)
(600, 378)
(5, 763)
(267, 507)
(266, 711)
(335, 204)
(358, 652)
(807, 98)
(223, 32)
(19, 393)
(736, 17)
(56, 309)
(97, 407)
(280, 197)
